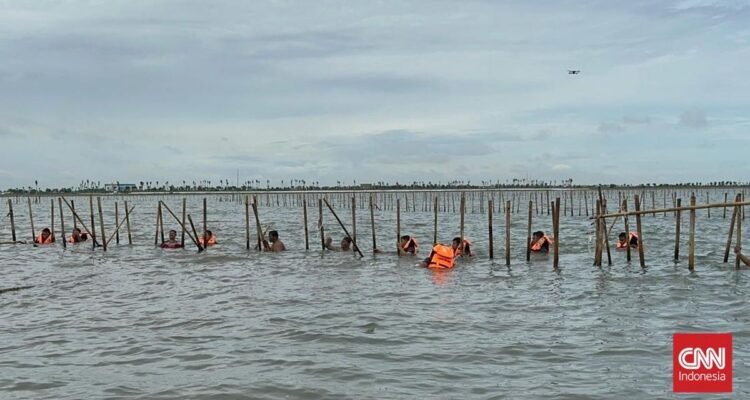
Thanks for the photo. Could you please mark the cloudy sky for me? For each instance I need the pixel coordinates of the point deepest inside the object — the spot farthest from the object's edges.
(373, 90)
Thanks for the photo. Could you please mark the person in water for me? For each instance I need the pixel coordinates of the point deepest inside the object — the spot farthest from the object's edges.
(407, 246)
(45, 237)
(172, 243)
(745, 259)
(624, 240)
(275, 245)
(441, 257)
(461, 248)
(540, 242)
(207, 237)
(77, 236)
(346, 244)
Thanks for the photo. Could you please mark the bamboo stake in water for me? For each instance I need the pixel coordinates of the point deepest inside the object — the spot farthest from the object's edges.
(725, 208)
(528, 237)
(462, 211)
(346, 232)
(31, 219)
(93, 224)
(372, 223)
(627, 228)
(489, 225)
(598, 242)
(73, 210)
(184, 222)
(304, 216)
(678, 226)
(247, 223)
(731, 230)
(205, 225)
(556, 230)
(101, 222)
(117, 218)
(320, 224)
(691, 241)
(739, 238)
(52, 219)
(354, 217)
(127, 222)
(62, 223)
(12, 220)
(158, 220)
(640, 232)
(195, 234)
(507, 232)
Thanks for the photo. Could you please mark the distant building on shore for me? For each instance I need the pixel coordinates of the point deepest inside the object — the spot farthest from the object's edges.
(365, 186)
(119, 187)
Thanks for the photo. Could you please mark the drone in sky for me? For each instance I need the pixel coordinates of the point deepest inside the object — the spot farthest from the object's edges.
(574, 71)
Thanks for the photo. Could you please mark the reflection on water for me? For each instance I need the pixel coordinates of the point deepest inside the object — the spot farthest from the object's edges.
(139, 322)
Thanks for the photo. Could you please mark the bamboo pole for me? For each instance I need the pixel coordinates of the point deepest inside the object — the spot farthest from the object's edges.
(489, 225)
(52, 219)
(678, 226)
(507, 232)
(708, 201)
(354, 216)
(205, 224)
(117, 228)
(674, 209)
(247, 223)
(462, 211)
(556, 230)
(62, 224)
(127, 222)
(346, 232)
(304, 216)
(603, 205)
(725, 208)
(320, 223)
(117, 231)
(731, 230)
(192, 226)
(739, 238)
(372, 223)
(72, 207)
(528, 236)
(641, 258)
(12, 221)
(101, 222)
(259, 230)
(31, 219)
(93, 224)
(599, 228)
(691, 246)
(627, 229)
(158, 220)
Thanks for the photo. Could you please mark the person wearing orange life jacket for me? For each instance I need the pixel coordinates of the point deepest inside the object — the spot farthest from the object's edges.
(540, 243)
(407, 246)
(461, 249)
(77, 236)
(207, 237)
(45, 237)
(625, 240)
(441, 257)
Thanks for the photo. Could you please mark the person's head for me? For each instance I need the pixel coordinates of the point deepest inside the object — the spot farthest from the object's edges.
(209, 233)
(172, 234)
(405, 239)
(76, 232)
(46, 233)
(622, 237)
(538, 235)
(346, 244)
(456, 243)
(273, 236)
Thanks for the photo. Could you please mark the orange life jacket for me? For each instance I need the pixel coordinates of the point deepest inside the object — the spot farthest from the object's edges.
(632, 235)
(409, 243)
(539, 244)
(49, 240)
(442, 257)
(211, 240)
(460, 250)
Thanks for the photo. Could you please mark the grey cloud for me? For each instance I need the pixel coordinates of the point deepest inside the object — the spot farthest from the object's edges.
(694, 119)
(636, 120)
(610, 127)
(173, 150)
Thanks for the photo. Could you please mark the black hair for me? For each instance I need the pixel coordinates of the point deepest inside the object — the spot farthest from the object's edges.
(273, 233)
(405, 237)
(623, 236)
(457, 240)
(46, 230)
(175, 232)
(538, 233)
(347, 239)
(77, 230)
(209, 232)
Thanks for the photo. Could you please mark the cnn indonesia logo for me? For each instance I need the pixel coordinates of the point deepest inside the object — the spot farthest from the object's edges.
(702, 362)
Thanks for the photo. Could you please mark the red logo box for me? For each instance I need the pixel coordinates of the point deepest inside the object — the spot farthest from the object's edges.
(702, 362)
